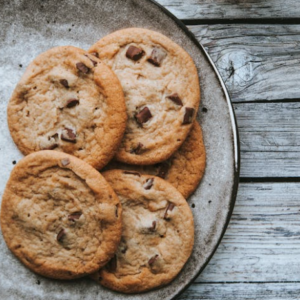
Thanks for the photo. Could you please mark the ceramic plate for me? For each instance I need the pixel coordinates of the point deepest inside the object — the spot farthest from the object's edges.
(29, 27)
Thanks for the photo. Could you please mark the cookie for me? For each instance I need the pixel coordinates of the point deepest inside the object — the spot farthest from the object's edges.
(59, 216)
(157, 236)
(161, 89)
(69, 101)
(184, 169)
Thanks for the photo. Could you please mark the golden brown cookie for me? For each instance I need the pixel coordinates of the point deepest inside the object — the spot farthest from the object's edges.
(59, 216)
(69, 101)
(184, 169)
(161, 89)
(157, 236)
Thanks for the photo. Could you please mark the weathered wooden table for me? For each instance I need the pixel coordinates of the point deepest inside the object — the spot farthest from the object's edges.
(255, 45)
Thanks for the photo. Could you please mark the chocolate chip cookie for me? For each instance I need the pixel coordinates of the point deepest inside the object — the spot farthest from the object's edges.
(69, 101)
(161, 88)
(157, 236)
(184, 169)
(59, 216)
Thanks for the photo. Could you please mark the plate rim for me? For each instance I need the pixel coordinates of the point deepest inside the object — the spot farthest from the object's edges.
(235, 140)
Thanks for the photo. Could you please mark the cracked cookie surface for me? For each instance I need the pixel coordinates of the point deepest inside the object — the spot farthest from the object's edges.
(157, 236)
(68, 100)
(184, 169)
(161, 89)
(59, 216)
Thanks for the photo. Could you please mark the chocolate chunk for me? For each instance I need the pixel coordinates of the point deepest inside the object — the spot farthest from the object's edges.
(64, 82)
(134, 53)
(148, 184)
(143, 116)
(94, 62)
(188, 115)
(175, 98)
(60, 235)
(82, 67)
(124, 249)
(95, 54)
(111, 266)
(169, 208)
(157, 56)
(138, 149)
(72, 102)
(51, 147)
(163, 170)
(74, 216)
(132, 173)
(153, 227)
(68, 135)
(55, 136)
(152, 260)
(65, 161)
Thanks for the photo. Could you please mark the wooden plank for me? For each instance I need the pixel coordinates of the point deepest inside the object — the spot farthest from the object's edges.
(269, 139)
(243, 291)
(262, 241)
(257, 62)
(220, 9)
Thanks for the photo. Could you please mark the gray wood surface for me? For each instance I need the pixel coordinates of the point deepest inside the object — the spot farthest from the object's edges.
(269, 139)
(231, 9)
(256, 61)
(244, 291)
(261, 245)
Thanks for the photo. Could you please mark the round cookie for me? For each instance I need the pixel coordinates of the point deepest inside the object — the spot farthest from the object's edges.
(59, 216)
(161, 89)
(184, 169)
(69, 101)
(157, 222)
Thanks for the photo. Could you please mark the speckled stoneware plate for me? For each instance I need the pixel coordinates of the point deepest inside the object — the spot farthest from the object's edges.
(29, 27)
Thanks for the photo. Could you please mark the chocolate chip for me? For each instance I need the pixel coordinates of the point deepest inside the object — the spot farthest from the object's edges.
(111, 266)
(124, 249)
(134, 53)
(64, 82)
(94, 62)
(169, 208)
(60, 235)
(74, 216)
(148, 184)
(65, 161)
(82, 67)
(68, 135)
(188, 115)
(95, 54)
(143, 116)
(138, 149)
(72, 102)
(55, 136)
(51, 147)
(175, 98)
(117, 214)
(152, 260)
(153, 227)
(163, 170)
(132, 173)
(157, 56)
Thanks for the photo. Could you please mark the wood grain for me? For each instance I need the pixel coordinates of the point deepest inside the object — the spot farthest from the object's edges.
(230, 9)
(269, 139)
(256, 61)
(243, 291)
(262, 241)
